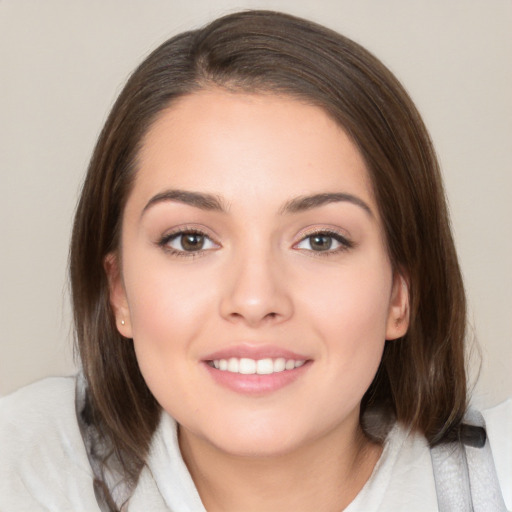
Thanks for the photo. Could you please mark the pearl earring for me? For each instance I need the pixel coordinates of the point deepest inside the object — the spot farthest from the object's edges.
(122, 322)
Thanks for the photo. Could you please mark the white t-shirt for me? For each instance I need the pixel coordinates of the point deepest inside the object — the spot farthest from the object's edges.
(44, 465)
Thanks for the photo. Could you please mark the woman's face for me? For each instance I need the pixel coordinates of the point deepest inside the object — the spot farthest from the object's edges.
(251, 242)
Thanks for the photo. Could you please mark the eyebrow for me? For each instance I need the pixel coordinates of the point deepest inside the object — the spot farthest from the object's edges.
(212, 202)
(199, 200)
(304, 203)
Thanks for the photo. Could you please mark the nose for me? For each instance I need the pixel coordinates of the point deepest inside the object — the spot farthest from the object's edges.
(256, 291)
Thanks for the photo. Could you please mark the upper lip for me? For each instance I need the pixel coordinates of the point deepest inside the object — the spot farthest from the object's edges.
(254, 352)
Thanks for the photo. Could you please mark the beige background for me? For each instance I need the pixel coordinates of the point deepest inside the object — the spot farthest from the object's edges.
(63, 62)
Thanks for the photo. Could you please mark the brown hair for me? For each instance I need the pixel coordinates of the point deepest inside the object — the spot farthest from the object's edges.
(421, 379)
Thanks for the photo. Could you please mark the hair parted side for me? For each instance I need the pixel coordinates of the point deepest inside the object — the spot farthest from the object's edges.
(421, 379)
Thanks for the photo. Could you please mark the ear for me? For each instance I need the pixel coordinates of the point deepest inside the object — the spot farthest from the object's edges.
(117, 294)
(398, 316)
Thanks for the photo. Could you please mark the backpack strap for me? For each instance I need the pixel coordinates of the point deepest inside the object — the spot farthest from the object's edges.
(464, 471)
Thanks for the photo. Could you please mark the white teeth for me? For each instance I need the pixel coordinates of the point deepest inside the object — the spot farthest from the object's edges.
(290, 364)
(265, 366)
(248, 366)
(233, 365)
(279, 364)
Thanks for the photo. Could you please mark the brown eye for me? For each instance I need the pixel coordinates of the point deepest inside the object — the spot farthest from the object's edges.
(192, 241)
(320, 242)
(324, 242)
(188, 242)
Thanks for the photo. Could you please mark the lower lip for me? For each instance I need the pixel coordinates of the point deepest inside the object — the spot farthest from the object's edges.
(256, 384)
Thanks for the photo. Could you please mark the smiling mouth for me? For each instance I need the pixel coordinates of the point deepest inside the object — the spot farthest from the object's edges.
(247, 366)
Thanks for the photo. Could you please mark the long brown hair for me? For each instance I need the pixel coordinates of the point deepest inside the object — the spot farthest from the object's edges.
(421, 379)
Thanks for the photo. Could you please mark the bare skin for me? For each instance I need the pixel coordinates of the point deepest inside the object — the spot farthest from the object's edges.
(318, 478)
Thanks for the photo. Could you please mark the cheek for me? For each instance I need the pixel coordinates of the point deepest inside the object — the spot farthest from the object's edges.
(168, 311)
(349, 311)
(354, 297)
(167, 306)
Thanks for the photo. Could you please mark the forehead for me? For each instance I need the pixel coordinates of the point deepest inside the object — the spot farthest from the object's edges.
(238, 145)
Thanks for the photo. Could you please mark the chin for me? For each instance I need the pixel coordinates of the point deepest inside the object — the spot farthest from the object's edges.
(257, 447)
(269, 437)
(250, 436)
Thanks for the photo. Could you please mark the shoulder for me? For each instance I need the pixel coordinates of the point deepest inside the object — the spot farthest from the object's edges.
(403, 476)
(498, 423)
(43, 464)
(43, 412)
(36, 400)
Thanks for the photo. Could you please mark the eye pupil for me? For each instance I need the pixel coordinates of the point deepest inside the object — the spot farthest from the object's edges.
(321, 242)
(192, 242)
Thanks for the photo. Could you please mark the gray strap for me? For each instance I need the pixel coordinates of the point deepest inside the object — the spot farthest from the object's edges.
(485, 488)
(451, 476)
(465, 475)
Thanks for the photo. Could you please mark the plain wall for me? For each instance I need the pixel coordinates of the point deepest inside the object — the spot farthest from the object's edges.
(62, 63)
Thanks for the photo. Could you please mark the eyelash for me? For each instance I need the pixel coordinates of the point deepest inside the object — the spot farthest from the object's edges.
(169, 237)
(345, 244)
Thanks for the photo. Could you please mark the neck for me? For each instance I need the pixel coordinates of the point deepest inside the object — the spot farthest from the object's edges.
(324, 476)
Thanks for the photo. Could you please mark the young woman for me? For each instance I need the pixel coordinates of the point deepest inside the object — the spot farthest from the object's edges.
(268, 306)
